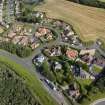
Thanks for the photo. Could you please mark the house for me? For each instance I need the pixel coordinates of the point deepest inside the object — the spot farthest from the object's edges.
(57, 66)
(87, 58)
(49, 36)
(55, 51)
(44, 34)
(43, 31)
(67, 27)
(24, 41)
(98, 61)
(17, 39)
(17, 8)
(87, 55)
(34, 45)
(40, 59)
(88, 51)
(72, 54)
(86, 75)
(74, 91)
(11, 35)
(39, 14)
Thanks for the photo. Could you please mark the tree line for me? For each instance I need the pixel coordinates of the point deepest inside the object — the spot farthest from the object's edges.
(19, 50)
(95, 3)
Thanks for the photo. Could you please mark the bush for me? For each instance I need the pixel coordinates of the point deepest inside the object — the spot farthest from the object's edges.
(47, 72)
(23, 51)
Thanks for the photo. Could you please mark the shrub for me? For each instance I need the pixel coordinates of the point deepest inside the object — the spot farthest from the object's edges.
(19, 50)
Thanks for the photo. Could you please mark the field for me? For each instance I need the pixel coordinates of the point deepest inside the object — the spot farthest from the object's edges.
(31, 81)
(89, 22)
(102, 0)
(16, 87)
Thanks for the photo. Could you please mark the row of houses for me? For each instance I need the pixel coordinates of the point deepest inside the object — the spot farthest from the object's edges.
(27, 35)
(8, 9)
(85, 57)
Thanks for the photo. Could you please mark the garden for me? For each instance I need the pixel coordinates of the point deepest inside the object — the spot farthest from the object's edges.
(63, 66)
(59, 64)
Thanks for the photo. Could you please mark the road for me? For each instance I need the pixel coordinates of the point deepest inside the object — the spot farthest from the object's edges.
(99, 102)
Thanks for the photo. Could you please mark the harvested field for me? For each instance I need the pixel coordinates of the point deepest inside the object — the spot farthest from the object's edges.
(89, 22)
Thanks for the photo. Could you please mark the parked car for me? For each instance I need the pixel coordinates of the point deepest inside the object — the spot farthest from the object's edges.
(50, 84)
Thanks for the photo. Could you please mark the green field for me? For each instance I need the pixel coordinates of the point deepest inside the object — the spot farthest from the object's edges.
(89, 22)
(102, 0)
(16, 87)
(31, 81)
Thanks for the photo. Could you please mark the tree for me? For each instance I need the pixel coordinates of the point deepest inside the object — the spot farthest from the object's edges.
(47, 72)
(66, 68)
(19, 50)
(23, 51)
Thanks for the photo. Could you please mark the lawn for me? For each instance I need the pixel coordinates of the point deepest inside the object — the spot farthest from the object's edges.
(97, 69)
(84, 82)
(89, 22)
(31, 81)
(92, 96)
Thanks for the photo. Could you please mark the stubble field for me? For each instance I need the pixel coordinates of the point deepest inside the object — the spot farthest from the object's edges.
(88, 22)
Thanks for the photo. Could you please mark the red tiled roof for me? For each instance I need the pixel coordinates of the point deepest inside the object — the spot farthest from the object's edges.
(72, 54)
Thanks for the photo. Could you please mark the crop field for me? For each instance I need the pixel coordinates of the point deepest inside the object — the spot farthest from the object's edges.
(88, 22)
(102, 0)
(16, 87)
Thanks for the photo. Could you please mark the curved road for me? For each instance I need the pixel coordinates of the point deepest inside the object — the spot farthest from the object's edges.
(99, 102)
